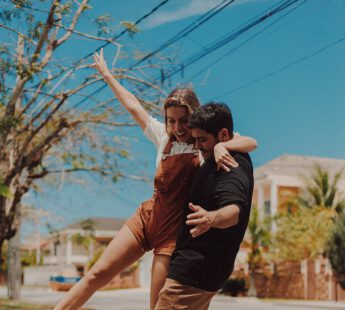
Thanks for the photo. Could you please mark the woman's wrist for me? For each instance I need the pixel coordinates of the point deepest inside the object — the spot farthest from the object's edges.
(220, 144)
(107, 76)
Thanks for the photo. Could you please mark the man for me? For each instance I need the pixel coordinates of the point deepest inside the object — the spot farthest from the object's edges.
(217, 217)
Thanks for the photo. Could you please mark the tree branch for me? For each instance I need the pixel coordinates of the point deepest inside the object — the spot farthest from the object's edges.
(48, 25)
(21, 82)
(89, 36)
(73, 23)
(34, 133)
(33, 98)
(138, 80)
(114, 124)
(35, 156)
(99, 169)
(57, 107)
(19, 34)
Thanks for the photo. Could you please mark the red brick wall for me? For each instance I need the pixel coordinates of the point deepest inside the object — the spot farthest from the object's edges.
(288, 281)
(279, 286)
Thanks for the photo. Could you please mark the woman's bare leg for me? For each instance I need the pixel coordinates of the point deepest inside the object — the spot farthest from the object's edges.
(122, 251)
(160, 266)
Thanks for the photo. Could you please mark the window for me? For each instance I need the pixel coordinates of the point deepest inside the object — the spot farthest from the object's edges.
(56, 247)
(267, 208)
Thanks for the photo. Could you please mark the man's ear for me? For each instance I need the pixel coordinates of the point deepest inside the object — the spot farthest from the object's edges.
(223, 135)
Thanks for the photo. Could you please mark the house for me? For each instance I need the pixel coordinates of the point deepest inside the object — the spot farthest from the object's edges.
(77, 244)
(274, 181)
(283, 175)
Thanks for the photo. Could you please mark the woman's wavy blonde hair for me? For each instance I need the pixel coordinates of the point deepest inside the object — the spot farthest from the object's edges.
(180, 97)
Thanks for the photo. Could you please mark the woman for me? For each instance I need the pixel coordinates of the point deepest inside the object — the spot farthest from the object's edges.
(156, 221)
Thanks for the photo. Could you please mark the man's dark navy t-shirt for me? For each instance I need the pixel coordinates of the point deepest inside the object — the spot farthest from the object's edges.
(207, 261)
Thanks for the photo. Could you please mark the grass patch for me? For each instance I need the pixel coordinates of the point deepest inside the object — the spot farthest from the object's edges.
(6, 304)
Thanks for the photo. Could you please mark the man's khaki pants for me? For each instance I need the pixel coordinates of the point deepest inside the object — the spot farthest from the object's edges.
(176, 296)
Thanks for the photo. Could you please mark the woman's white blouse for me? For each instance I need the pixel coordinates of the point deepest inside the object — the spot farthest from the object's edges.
(155, 131)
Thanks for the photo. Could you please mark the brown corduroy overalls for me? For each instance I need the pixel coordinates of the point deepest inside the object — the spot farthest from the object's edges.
(156, 222)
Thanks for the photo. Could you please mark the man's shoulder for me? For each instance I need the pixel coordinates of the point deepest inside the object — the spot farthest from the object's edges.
(244, 169)
(244, 161)
(242, 157)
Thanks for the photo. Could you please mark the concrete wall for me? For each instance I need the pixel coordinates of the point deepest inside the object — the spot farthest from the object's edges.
(40, 275)
(145, 269)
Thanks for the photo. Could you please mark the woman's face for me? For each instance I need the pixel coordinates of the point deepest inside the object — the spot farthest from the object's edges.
(177, 123)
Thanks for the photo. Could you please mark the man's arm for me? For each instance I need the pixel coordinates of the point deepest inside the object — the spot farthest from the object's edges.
(204, 220)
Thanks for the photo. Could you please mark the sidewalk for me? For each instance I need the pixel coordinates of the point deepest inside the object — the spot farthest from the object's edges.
(312, 304)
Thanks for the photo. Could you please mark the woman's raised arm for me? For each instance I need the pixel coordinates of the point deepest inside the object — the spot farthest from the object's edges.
(127, 99)
(241, 144)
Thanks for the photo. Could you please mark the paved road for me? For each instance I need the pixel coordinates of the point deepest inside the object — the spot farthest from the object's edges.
(138, 299)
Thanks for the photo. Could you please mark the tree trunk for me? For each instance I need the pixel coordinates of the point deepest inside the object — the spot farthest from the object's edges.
(2, 259)
(14, 271)
(252, 289)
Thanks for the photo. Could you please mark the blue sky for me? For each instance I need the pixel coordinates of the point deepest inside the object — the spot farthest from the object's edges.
(299, 110)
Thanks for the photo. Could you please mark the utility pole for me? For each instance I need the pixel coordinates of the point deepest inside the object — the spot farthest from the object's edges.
(38, 241)
(14, 270)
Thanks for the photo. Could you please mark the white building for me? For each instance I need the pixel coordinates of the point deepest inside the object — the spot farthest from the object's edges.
(63, 248)
(284, 174)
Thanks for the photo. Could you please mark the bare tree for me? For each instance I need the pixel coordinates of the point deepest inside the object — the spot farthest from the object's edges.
(45, 128)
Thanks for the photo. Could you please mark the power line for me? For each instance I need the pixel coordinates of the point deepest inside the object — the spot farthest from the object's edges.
(126, 30)
(218, 43)
(33, 9)
(228, 38)
(268, 75)
(245, 42)
(187, 30)
(181, 34)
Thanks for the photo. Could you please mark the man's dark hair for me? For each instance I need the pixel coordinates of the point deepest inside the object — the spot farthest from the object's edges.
(212, 117)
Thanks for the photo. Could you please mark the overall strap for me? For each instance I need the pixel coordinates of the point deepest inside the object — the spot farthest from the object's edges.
(167, 147)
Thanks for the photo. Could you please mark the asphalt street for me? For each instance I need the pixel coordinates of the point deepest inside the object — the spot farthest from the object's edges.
(138, 299)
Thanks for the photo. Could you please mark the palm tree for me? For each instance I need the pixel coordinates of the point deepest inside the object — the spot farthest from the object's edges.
(259, 234)
(86, 239)
(322, 191)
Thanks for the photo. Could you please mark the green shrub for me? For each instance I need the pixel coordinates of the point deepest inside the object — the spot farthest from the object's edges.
(234, 286)
(335, 250)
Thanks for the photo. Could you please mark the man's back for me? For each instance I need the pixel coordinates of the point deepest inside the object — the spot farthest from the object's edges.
(206, 261)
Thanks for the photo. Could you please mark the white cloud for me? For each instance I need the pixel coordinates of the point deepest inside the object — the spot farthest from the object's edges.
(189, 8)
(194, 7)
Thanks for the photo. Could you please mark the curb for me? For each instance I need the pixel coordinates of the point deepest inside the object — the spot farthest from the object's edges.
(311, 306)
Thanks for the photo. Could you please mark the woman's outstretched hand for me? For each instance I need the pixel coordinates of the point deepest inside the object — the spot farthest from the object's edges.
(100, 65)
(126, 98)
(223, 158)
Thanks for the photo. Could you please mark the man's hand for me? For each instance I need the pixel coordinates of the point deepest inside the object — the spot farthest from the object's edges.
(201, 219)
